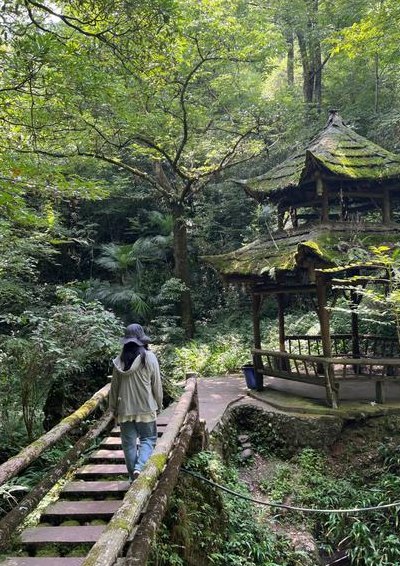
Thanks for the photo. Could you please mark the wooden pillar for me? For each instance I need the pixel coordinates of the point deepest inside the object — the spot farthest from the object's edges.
(281, 321)
(354, 325)
(257, 360)
(256, 302)
(284, 363)
(322, 191)
(325, 204)
(386, 207)
(380, 392)
(281, 214)
(323, 314)
(354, 329)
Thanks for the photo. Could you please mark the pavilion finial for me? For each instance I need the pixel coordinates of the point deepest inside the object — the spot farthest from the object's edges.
(334, 118)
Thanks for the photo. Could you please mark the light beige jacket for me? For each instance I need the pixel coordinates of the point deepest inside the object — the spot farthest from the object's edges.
(137, 390)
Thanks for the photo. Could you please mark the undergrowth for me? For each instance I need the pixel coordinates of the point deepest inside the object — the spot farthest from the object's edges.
(223, 345)
(206, 527)
(369, 538)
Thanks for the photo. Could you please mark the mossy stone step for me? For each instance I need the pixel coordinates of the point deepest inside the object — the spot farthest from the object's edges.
(44, 561)
(40, 536)
(81, 510)
(106, 456)
(101, 470)
(93, 488)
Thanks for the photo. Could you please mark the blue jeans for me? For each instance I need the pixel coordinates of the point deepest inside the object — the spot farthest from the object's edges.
(147, 434)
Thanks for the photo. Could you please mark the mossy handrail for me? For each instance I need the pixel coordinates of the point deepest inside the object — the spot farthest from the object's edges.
(31, 452)
(17, 515)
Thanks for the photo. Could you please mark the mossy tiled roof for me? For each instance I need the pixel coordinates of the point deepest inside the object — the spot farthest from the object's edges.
(337, 151)
(265, 257)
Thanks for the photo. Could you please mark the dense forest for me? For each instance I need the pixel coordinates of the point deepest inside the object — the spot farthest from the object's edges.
(124, 126)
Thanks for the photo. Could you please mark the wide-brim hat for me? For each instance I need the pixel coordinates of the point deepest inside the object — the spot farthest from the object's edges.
(135, 333)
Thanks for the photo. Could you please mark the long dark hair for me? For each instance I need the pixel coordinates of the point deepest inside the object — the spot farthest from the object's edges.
(130, 352)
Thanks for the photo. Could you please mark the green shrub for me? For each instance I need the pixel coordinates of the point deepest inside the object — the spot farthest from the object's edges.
(53, 347)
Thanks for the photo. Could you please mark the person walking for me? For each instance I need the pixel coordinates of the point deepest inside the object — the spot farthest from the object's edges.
(135, 397)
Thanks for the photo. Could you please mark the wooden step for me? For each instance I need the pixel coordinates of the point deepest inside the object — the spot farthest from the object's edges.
(63, 535)
(114, 442)
(81, 510)
(111, 443)
(101, 470)
(107, 456)
(162, 423)
(93, 488)
(42, 561)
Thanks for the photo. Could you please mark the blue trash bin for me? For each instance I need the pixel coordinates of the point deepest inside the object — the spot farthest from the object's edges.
(250, 376)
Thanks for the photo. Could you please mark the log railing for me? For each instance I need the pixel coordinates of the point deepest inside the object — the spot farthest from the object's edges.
(329, 372)
(30, 453)
(18, 514)
(10, 522)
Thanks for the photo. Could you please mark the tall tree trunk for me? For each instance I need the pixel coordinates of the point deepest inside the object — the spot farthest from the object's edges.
(180, 249)
(308, 78)
(318, 74)
(311, 58)
(182, 268)
(290, 58)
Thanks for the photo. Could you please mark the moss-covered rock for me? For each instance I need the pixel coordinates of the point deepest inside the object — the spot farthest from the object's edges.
(70, 523)
(278, 432)
(48, 550)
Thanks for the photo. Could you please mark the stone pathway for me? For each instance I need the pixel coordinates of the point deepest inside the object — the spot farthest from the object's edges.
(216, 394)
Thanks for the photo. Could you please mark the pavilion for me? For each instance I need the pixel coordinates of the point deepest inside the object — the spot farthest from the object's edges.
(338, 192)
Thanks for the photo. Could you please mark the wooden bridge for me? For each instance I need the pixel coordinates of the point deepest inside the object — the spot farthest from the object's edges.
(99, 519)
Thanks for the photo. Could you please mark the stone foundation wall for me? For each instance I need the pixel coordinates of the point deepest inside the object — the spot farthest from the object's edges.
(284, 433)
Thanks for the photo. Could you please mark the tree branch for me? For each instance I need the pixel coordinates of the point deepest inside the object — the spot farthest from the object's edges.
(112, 160)
(224, 163)
(68, 20)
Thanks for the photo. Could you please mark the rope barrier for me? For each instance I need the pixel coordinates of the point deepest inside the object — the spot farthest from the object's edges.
(290, 507)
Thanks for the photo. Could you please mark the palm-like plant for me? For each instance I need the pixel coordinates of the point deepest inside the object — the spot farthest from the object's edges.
(120, 296)
(158, 223)
(126, 263)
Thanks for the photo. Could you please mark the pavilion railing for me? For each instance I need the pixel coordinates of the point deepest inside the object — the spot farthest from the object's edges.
(341, 345)
(328, 372)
